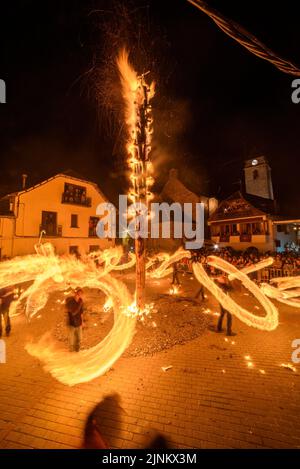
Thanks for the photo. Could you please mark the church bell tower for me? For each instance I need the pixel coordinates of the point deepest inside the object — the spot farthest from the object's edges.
(258, 179)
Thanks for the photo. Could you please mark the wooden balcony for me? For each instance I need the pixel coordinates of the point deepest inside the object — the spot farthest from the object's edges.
(73, 200)
(92, 233)
(245, 238)
(224, 238)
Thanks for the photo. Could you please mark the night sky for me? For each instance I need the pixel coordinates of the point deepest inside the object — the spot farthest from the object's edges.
(225, 105)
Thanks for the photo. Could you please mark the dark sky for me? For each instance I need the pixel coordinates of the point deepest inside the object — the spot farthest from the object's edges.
(227, 105)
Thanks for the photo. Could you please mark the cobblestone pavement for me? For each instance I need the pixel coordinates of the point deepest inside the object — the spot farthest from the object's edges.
(210, 398)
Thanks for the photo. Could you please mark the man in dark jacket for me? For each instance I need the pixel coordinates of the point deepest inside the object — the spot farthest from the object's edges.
(175, 279)
(224, 283)
(6, 298)
(74, 307)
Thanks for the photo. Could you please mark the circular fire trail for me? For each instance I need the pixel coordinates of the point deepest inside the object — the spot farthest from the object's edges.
(267, 323)
(50, 273)
(70, 368)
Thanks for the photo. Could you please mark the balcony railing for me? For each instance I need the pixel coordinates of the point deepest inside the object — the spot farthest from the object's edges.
(224, 238)
(50, 230)
(237, 237)
(73, 200)
(246, 238)
(92, 233)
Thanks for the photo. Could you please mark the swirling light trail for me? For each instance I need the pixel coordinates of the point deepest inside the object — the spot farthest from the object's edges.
(255, 267)
(285, 297)
(49, 273)
(284, 283)
(164, 269)
(70, 368)
(268, 322)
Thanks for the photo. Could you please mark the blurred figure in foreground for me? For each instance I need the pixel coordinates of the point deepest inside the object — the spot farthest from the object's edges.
(93, 438)
(94, 432)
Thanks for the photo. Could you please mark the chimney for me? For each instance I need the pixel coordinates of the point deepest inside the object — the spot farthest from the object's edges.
(24, 178)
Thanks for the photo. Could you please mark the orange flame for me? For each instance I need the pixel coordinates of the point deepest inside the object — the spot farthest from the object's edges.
(268, 323)
(133, 91)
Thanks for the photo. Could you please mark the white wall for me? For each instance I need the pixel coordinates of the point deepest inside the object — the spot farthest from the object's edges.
(287, 235)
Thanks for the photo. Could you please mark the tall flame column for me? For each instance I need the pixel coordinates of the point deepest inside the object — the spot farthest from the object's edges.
(137, 95)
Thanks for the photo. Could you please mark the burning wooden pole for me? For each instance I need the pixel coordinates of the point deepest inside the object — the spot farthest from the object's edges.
(143, 149)
(138, 94)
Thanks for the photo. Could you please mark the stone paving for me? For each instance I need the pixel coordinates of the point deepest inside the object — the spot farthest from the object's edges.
(210, 398)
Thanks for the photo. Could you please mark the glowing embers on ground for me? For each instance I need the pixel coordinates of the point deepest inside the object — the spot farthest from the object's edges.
(133, 311)
(249, 362)
(268, 322)
(174, 290)
(288, 366)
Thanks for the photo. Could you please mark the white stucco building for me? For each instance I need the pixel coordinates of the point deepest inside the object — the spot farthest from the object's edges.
(63, 208)
(287, 234)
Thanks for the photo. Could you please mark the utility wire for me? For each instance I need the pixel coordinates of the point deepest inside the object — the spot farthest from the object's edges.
(246, 39)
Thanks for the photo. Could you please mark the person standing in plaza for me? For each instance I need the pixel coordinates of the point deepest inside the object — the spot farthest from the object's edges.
(75, 308)
(200, 291)
(225, 285)
(175, 278)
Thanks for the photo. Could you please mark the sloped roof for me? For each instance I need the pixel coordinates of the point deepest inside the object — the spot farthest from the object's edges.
(242, 206)
(266, 205)
(74, 174)
(175, 191)
(68, 173)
